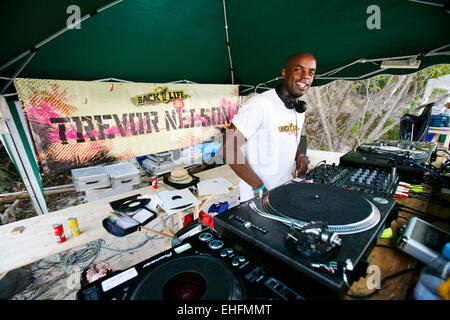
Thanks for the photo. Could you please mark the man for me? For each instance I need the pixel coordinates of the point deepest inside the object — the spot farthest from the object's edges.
(263, 147)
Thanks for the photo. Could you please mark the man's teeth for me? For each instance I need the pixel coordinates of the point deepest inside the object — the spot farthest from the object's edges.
(301, 84)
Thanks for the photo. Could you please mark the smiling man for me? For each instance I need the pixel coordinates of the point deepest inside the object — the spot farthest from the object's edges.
(262, 143)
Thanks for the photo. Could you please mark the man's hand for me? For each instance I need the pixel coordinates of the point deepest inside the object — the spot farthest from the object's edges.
(301, 165)
(256, 194)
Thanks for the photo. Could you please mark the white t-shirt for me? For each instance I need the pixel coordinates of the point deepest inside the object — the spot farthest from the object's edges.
(273, 133)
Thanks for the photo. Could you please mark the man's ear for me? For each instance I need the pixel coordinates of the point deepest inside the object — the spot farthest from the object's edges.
(283, 73)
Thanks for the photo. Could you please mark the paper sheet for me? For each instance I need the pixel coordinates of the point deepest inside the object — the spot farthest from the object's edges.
(154, 201)
(126, 222)
(213, 186)
(177, 200)
(142, 215)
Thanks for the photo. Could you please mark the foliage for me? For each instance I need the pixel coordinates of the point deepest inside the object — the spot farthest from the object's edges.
(344, 114)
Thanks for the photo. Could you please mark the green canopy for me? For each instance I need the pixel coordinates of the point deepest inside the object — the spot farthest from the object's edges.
(242, 42)
(216, 41)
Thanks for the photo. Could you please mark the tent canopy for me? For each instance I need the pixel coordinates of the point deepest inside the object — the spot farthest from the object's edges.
(165, 41)
(241, 42)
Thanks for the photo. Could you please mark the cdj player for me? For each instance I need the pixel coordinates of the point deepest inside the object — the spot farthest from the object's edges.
(203, 266)
(407, 156)
(316, 237)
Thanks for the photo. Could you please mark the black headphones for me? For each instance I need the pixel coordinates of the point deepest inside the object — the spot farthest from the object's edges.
(291, 102)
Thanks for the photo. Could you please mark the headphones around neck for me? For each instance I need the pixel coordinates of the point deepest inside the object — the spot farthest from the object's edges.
(291, 102)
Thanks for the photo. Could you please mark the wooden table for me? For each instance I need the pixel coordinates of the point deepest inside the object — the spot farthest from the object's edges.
(38, 241)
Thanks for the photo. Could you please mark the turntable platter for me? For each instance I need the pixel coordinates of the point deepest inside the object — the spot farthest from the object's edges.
(345, 211)
(399, 150)
(389, 148)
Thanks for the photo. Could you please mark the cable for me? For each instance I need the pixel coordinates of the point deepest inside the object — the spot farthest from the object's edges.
(414, 209)
(318, 164)
(444, 151)
(423, 167)
(425, 216)
(385, 246)
(402, 217)
(128, 249)
(90, 251)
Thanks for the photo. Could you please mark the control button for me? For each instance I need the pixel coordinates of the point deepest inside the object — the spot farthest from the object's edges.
(241, 259)
(216, 244)
(272, 283)
(226, 252)
(205, 236)
(255, 274)
(235, 262)
(380, 200)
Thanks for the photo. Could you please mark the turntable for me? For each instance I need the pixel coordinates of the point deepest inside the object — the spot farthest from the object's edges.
(314, 236)
(383, 153)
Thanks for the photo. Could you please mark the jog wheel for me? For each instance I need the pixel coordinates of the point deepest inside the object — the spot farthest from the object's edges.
(190, 278)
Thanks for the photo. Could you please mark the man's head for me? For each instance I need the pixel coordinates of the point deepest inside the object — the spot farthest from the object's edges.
(298, 74)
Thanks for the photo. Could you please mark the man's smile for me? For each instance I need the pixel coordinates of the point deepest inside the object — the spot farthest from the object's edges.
(301, 84)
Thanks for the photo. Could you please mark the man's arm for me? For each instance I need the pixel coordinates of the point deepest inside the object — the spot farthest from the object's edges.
(301, 163)
(233, 140)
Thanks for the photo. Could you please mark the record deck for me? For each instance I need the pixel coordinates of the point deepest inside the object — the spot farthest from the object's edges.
(407, 156)
(315, 236)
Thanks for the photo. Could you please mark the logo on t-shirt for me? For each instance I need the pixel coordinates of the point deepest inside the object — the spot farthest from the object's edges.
(290, 128)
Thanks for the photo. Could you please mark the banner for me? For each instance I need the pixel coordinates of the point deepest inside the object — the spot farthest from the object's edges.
(83, 123)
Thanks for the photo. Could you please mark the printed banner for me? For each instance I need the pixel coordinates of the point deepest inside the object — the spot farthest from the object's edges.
(83, 123)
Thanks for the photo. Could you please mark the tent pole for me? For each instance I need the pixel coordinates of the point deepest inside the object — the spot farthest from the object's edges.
(429, 3)
(24, 64)
(352, 78)
(21, 152)
(228, 41)
(440, 48)
(55, 35)
(363, 60)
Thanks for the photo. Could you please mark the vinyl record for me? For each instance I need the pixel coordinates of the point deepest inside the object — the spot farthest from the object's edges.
(343, 211)
(317, 202)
